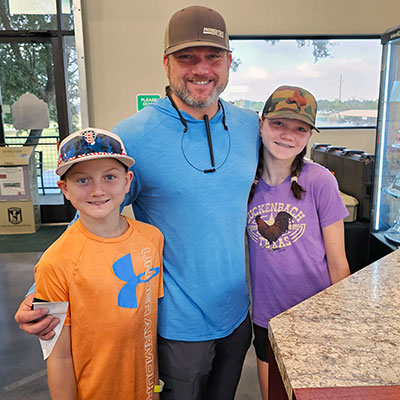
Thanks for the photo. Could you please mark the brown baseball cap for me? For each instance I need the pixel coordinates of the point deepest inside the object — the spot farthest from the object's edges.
(195, 26)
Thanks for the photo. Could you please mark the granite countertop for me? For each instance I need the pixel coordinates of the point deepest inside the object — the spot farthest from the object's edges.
(345, 336)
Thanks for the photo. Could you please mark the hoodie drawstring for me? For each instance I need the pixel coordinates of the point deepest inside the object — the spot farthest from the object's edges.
(208, 130)
(207, 124)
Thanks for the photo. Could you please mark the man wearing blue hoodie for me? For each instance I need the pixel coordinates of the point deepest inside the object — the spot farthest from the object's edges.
(196, 158)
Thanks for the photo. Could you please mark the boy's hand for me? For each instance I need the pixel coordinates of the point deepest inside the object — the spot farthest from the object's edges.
(25, 318)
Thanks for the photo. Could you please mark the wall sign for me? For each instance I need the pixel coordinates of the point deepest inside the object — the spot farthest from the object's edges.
(143, 100)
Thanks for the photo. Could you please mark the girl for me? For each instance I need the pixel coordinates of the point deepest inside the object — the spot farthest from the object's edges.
(295, 218)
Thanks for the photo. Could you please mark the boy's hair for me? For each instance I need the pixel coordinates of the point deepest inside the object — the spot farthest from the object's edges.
(64, 176)
(294, 103)
(90, 144)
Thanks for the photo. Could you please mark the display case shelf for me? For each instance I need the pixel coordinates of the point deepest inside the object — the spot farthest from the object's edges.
(392, 192)
(381, 237)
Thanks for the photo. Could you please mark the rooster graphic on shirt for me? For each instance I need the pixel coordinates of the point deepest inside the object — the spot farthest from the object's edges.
(275, 231)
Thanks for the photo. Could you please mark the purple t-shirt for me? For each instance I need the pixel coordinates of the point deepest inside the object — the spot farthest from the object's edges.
(286, 249)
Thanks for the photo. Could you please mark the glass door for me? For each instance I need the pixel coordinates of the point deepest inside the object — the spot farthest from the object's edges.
(38, 61)
(27, 73)
(386, 208)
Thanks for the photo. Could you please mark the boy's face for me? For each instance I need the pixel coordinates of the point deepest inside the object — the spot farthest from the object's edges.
(284, 138)
(96, 187)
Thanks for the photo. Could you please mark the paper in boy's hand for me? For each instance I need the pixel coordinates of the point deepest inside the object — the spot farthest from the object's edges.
(57, 309)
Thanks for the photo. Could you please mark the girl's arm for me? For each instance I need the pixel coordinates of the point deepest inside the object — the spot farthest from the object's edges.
(338, 266)
(60, 369)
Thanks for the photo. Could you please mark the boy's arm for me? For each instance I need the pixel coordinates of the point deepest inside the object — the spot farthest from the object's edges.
(338, 266)
(25, 317)
(60, 368)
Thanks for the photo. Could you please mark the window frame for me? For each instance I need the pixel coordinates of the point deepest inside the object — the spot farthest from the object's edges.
(57, 213)
(55, 37)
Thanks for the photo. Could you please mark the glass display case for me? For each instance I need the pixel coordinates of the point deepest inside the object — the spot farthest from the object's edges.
(386, 202)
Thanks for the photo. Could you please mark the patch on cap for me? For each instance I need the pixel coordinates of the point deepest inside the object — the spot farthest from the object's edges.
(292, 102)
(213, 31)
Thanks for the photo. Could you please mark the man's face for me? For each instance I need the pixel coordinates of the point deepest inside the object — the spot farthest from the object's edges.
(198, 75)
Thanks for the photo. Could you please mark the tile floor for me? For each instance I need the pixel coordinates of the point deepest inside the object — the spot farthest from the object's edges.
(22, 370)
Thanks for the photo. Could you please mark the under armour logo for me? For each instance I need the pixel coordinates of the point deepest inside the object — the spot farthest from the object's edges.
(123, 269)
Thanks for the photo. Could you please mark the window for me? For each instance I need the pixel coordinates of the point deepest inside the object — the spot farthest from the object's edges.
(34, 14)
(343, 75)
(41, 55)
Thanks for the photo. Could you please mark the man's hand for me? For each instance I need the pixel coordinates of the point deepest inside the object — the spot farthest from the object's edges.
(25, 318)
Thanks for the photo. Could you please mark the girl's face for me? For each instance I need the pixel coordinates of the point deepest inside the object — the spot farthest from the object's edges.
(284, 138)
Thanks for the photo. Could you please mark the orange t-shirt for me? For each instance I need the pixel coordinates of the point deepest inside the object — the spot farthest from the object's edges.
(112, 285)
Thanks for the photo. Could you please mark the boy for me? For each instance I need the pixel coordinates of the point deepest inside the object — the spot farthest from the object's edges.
(109, 269)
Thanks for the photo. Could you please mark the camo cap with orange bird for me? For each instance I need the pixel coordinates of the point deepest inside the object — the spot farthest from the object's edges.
(291, 102)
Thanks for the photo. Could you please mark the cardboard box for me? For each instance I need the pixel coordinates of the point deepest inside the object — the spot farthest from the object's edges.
(351, 204)
(18, 217)
(18, 178)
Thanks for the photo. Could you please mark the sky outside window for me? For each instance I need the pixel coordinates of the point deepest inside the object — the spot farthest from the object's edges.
(37, 7)
(350, 72)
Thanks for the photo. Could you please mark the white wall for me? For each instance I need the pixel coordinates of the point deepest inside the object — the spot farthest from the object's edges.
(124, 44)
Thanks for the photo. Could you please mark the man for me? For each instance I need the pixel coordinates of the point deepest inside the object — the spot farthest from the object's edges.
(195, 163)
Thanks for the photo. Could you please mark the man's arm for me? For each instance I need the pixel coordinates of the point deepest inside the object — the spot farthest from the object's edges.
(60, 368)
(25, 318)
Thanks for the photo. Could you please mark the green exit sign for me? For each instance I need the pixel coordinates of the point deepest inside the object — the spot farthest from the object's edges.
(144, 100)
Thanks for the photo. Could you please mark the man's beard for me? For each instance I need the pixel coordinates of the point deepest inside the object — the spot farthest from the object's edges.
(181, 91)
(184, 94)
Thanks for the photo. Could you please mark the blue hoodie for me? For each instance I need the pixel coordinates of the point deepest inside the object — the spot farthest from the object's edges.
(202, 215)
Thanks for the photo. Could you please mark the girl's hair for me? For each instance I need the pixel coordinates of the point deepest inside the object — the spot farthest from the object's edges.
(295, 169)
(297, 166)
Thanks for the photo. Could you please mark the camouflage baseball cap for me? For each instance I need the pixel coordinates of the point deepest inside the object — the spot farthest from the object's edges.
(291, 102)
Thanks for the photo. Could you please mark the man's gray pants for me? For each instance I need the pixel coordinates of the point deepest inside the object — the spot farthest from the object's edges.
(207, 370)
